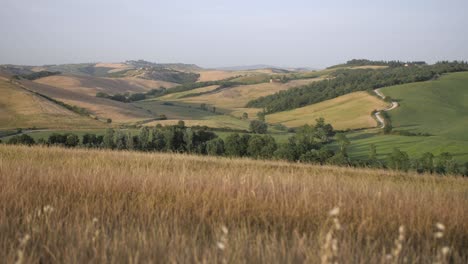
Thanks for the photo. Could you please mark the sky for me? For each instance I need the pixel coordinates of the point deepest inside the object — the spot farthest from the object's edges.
(219, 33)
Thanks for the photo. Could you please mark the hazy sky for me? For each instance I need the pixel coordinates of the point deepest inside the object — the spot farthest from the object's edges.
(235, 32)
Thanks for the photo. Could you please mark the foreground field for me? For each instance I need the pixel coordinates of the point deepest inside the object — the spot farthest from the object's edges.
(81, 206)
(349, 111)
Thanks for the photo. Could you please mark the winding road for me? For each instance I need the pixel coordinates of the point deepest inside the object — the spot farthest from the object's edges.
(378, 114)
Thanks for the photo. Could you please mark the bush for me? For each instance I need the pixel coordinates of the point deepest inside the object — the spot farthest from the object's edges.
(23, 139)
(258, 127)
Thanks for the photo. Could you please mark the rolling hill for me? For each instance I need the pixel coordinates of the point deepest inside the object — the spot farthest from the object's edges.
(439, 108)
(351, 111)
(102, 108)
(22, 109)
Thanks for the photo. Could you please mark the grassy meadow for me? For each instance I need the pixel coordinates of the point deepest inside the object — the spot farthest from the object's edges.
(90, 206)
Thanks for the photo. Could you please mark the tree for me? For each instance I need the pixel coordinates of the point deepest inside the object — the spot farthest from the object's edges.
(188, 139)
(427, 162)
(158, 140)
(446, 164)
(137, 97)
(344, 142)
(261, 146)
(261, 116)
(215, 147)
(258, 127)
(109, 120)
(232, 146)
(398, 160)
(245, 116)
(89, 140)
(143, 138)
(23, 139)
(120, 139)
(324, 132)
(181, 124)
(72, 140)
(57, 139)
(108, 139)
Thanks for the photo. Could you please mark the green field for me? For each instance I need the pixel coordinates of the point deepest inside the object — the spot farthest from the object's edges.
(438, 107)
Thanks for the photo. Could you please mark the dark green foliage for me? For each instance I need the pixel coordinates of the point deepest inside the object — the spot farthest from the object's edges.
(236, 145)
(108, 140)
(261, 147)
(445, 164)
(144, 139)
(215, 147)
(72, 140)
(347, 81)
(258, 127)
(261, 115)
(37, 75)
(137, 97)
(57, 139)
(23, 139)
(91, 140)
(364, 62)
(399, 160)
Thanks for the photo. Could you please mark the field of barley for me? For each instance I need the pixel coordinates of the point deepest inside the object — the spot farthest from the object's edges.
(93, 206)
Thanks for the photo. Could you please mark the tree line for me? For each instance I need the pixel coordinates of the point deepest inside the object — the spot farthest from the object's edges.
(310, 144)
(365, 62)
(346, 81)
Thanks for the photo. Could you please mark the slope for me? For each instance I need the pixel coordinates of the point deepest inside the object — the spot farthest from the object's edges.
(438, 107)
(349, 111)
(22, 109)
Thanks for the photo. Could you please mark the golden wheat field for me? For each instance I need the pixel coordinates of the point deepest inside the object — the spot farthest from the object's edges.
(95, 206)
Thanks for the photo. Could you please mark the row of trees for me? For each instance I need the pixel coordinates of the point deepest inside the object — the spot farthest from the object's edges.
(348, 81)
(310, 144)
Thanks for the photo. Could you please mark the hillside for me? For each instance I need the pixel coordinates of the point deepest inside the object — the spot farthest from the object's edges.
(185, 208)
(102, 108)
(439, 108)
(92, 85)
(22, 109)
(351, 111)
(234, 98)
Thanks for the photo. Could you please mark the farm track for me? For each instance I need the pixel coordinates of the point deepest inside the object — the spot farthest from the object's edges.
(378, 114)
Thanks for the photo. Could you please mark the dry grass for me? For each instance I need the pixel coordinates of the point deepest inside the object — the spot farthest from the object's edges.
(237, 97)
(103, 108)
(82, 206)
(20, 108)
(91, 85)
(348, 111)
(173, 96)
(216, 75)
